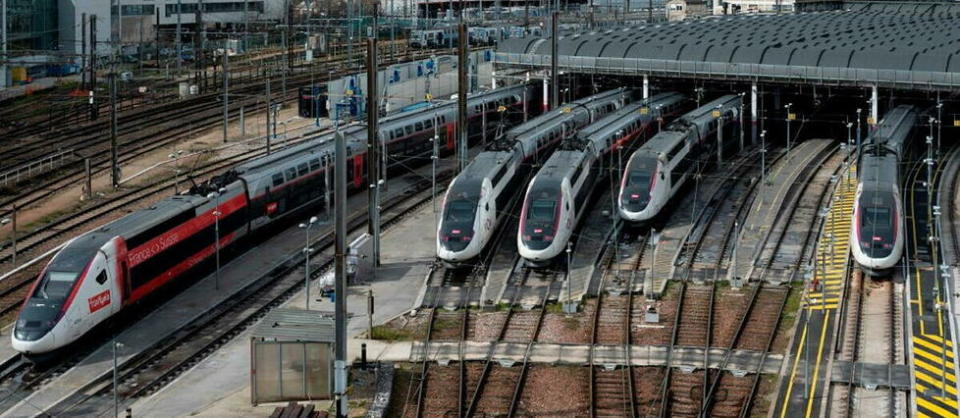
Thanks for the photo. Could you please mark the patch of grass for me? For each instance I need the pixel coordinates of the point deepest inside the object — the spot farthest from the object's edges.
(441, 324)
(502, 306)
(791, 308)
(554, 308)
(381, 332)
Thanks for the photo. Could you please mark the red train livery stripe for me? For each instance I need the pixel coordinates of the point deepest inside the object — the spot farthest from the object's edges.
(73, 292)
(178, 269)
(120, 245)
(187, 229)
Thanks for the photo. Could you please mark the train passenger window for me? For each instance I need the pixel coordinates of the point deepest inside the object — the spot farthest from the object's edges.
(314, 164)
(418, 126)
(277, 179)
(291, 173)
(301, 169)
(398, 133)
(409, 130)
(102, 277)
(427, 124)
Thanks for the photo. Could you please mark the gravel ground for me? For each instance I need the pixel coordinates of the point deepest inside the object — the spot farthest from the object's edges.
(498, 391)
(646, 383)
(447, 325)
(655, 334)
(686, 391)
(404, 327)
(442, 393)
(728, 309)
(487, 326)
(568, 329)
(568, 397)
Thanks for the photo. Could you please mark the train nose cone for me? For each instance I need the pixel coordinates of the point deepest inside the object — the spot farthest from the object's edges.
(635, 203)
(35, 321)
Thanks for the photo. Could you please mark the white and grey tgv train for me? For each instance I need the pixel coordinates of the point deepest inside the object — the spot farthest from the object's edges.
(877, 237)
(556, 198)
(660, 167)
(478, 198)
(100, 273)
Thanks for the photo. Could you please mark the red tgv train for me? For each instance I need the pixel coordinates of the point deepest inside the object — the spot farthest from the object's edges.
(101, 272)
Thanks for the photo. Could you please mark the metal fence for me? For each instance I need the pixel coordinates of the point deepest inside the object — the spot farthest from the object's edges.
(854, 77)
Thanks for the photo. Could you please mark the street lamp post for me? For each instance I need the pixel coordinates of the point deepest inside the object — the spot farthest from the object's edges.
(763, 157)
(12, 220)
(116, 397)
(858, 128)
(216, 232)
(789, 117)
(306, 264)
(569, 252)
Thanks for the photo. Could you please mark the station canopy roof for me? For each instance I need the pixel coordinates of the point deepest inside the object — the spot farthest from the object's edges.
(914, 48)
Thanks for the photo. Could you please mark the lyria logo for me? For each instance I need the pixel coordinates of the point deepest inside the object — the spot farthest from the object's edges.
(99, 301)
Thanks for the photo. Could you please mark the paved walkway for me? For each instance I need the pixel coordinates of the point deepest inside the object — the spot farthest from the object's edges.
(220, 384)
(684, 358)
(816, 325)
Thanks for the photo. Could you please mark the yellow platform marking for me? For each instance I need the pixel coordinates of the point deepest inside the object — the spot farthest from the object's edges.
(830, 272)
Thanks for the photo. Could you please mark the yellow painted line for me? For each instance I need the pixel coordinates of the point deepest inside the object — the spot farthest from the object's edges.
(918, 339)
(817, 307)
(933, 356)
(937, 371)
(919, 288)
(816, 368)
(939, 339)
(932, 407)
(793, 372)
(934, 382)
(922, 415)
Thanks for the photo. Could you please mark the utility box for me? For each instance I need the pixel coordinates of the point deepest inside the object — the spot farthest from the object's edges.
(360, 260)
(291, 356)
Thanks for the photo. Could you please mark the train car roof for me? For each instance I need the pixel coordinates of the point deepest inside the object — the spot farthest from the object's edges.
(894, 129)
(559, 165)
(484, 163)
(316, 145)
(138, 221)
(663, 141)
(878, 172)
(607, 126)
(706, 109)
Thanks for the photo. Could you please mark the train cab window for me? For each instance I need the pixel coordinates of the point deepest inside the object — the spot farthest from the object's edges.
(102, 277)
(314, 164)
(291, 173)
(418, 126)
(301, 169)
(277, 179)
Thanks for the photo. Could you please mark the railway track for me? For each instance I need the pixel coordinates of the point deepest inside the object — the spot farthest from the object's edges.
(153, 368)
(712, 391)
(491, 394)
(49, 236)
(871, 314)
(613, 391)
(161, 135)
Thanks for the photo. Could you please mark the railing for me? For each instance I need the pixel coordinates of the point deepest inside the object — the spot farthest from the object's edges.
(784, 73)
(38, 166)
